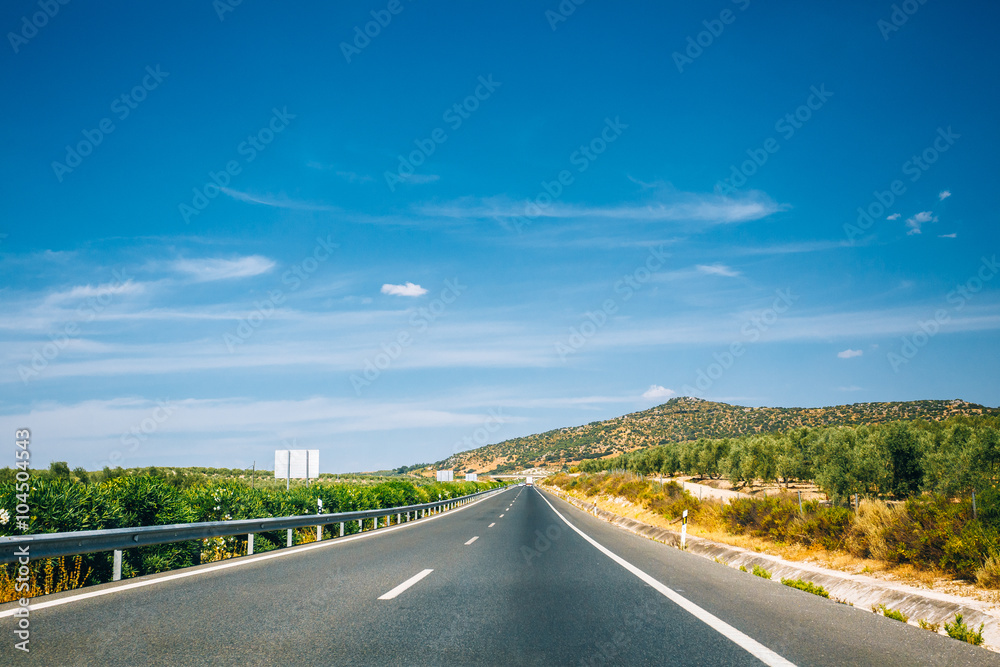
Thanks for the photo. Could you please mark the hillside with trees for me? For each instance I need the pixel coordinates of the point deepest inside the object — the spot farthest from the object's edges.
(685, 419)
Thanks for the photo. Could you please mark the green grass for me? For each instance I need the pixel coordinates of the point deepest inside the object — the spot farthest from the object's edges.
(959, 630)
(807, 586)
(761, 572)
(894, 614)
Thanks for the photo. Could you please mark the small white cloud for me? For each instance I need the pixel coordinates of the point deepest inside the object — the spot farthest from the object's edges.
(409, 289)
(919, 219)
(656, 391)
(206, 270)
(848, 353)
(944, 194)
(894, 216)
(717, 270)
(948, 236)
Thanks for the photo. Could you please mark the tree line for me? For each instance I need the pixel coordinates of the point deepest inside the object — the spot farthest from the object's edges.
(894, 460)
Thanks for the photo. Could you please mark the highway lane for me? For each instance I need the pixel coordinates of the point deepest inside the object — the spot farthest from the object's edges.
(528, 590)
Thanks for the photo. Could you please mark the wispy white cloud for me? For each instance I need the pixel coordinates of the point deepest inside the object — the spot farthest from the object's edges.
(409, 289)
(209, 269)
(279, 201)
(944, 194)
(712, 209)
(948, 236)
(894, 216)
(717, 270)
(83, 292)
(658, 391)
(919, 219)
(849, 353)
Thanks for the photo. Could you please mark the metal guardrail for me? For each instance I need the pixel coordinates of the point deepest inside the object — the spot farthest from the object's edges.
(53, 545)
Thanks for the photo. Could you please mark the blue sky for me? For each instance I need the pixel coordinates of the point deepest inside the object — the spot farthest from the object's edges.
(235, 229)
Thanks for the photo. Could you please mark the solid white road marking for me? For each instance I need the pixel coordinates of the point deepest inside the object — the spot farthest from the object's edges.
(752, 646)
(403, 586)
(472, 540)
(492, 524)
(244, 560)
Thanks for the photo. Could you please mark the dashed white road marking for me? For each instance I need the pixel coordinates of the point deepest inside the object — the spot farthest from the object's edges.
(237, 562)
(406, 584)
(472, 540)
(492, 524)
(501, 516)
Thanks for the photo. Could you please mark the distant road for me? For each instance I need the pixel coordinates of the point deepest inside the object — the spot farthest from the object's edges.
(505, 581)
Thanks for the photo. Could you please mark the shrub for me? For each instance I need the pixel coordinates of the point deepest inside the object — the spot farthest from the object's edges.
(761, 572)
(959, 630)
(807, 586)
(988, 576)
(894, 614)
(927, 625)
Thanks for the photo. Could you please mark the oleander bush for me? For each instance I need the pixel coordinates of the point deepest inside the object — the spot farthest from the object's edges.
(58, 503)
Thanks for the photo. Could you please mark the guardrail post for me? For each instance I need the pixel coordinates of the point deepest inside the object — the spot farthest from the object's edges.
(361, 526)
(289, 538)
(117, 571)
(397, 518)
(341, 528)
(319, 533)
(250, 544)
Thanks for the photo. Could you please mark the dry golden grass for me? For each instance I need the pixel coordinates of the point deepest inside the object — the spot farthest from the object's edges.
(53, 575)
(877, 518)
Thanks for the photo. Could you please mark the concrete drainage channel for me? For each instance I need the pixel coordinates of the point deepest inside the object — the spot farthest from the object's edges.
(861, 591)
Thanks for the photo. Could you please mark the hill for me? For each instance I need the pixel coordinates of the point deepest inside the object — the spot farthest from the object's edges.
(687, 418)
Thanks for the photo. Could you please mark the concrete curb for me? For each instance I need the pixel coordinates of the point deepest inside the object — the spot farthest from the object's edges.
(856, 589)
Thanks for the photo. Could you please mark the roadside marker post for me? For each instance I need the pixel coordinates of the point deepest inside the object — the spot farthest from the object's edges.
(116, 574)
(684, 529)
(250, 544)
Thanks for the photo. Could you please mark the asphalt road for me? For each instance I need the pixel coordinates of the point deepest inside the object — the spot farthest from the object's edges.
(529, 590)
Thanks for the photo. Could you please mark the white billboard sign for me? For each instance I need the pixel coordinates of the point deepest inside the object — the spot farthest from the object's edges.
(296, 463)
(471, 477)
(446, 475)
